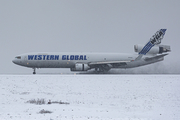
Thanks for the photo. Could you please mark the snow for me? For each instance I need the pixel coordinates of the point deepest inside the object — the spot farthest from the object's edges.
(91, 97)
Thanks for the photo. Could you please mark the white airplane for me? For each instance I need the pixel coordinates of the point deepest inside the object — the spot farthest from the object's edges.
(102, 62)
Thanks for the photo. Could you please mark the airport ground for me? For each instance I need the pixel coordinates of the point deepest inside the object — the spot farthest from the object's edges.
(90, 97)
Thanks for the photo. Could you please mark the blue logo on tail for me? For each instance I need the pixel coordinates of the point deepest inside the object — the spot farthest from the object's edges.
(146, 48)
(155, 40)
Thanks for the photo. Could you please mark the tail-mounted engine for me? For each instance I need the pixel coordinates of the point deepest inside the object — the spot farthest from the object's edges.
(80, 67)
(158, 49)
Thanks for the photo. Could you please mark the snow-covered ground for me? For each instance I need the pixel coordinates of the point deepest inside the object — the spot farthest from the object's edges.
(91, 97)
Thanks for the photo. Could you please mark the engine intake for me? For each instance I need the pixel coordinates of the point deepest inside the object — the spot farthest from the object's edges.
(80, 67)
(154, 50)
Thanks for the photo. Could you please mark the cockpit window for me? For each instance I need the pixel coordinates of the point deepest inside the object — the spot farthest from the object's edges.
(18, 57)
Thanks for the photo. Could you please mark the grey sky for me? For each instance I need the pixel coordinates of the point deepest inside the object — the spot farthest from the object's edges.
(85, 26)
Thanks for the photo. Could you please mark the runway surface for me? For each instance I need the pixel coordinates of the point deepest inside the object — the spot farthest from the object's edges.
(90, 97)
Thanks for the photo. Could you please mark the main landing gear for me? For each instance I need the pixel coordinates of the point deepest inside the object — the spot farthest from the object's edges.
(34, 72)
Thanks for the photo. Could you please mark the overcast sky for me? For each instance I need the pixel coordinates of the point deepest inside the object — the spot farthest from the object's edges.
(85, 26)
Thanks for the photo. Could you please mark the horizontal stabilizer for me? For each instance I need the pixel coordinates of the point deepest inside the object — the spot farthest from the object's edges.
(155, 58)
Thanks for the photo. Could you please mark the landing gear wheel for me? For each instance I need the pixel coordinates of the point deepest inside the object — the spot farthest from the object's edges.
(97, 70)
(34, 70)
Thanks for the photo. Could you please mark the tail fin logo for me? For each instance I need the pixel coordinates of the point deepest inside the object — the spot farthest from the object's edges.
(154, 40)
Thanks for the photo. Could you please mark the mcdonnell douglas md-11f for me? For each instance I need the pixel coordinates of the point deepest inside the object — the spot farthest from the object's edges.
(149, 53)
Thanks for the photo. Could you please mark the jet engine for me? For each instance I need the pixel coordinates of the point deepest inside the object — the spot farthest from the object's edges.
(158, 49)
(80, 67)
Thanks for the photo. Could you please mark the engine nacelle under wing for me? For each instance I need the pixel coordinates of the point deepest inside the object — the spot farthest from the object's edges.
(155, 50)
(80, 67)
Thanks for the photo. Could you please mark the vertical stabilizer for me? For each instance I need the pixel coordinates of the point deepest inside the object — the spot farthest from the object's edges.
(154, 40)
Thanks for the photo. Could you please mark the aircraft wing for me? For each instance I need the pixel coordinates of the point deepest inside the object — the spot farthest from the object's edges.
(107, 62)
(124, 62)
(107, 65)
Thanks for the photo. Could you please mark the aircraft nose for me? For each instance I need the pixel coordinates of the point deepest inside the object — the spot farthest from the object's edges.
(14, 61)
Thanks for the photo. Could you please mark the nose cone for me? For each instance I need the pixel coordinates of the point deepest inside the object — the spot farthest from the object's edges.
(14, 61)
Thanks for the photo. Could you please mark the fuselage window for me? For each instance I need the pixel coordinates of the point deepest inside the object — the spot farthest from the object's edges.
(18, 57)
